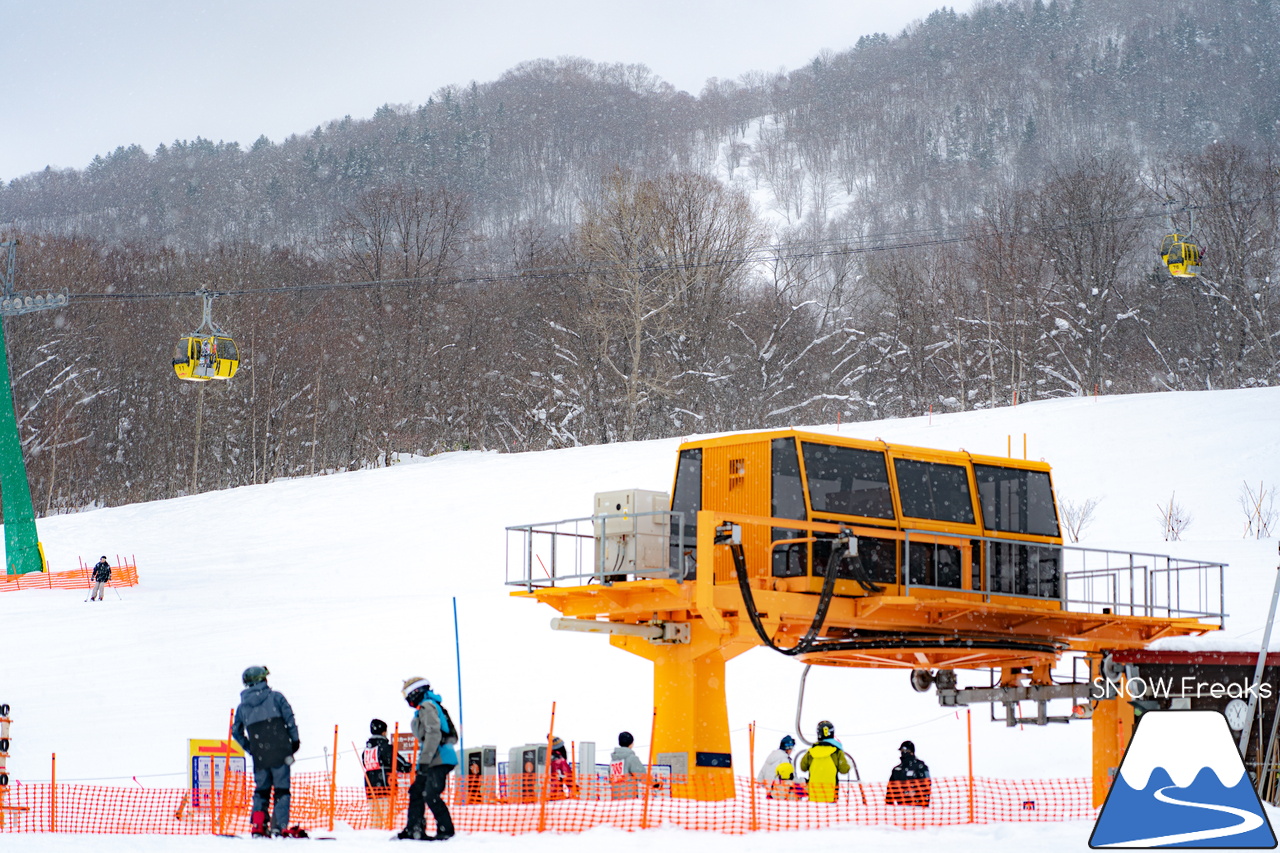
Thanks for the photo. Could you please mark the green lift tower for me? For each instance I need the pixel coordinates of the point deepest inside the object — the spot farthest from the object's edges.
(21, 544)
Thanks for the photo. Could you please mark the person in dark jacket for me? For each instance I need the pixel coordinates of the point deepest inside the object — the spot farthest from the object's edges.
(436, 759)
(101, 574)
(377, 767)
(265, 728)
(909, 783)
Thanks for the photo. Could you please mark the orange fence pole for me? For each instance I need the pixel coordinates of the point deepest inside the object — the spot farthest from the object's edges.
(395, 776)
(968, 715)
(751, 769)
(53, 793)
(333, 780)
(544, 790)
(221, 823)
(648, 772)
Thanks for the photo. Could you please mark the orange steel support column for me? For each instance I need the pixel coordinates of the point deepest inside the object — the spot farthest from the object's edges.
(1112, 727)
(690, 712)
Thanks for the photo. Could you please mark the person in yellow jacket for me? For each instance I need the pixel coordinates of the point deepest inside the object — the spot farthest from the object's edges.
(822, 762)
(785, 785)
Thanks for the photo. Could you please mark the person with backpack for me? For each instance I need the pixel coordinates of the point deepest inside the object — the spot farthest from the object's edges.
(437, 757)
(909, 782)
(264, 727)
(781, 755)
(101, 574)
(376, 759)
(823, 761)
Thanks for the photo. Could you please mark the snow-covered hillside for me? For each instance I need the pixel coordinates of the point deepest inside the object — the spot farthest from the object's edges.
(344, 585)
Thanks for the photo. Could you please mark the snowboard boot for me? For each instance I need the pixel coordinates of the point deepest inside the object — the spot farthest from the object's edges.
(258, 825)
(292, 832)
(412, 833)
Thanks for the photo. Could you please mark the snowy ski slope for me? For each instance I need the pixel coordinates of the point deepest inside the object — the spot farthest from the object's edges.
(343, 585)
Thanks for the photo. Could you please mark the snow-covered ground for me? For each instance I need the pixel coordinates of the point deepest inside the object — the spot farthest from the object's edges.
(344, 585)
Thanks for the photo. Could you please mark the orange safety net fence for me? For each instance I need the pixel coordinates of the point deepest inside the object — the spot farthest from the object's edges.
(122, 574)
(521, 804)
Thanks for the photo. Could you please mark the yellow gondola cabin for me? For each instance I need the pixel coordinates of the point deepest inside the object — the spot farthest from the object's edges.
(199, 358)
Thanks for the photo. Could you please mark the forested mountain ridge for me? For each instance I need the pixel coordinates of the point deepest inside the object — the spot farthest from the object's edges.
(961, 215)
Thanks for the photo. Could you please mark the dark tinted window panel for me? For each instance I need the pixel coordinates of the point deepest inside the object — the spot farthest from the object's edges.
(877, 560)
(687, 499)
(848, 481)
(791, 560)
(788, 490)
(1016, 501)
(933, 564)
(1034, 570)
(934, 490)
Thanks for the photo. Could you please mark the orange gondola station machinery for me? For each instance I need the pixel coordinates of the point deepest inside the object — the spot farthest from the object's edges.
(845, 552)
(208, 353)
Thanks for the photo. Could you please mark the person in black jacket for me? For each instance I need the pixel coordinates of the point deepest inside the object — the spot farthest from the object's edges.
(265, 728)
(101, 574)
(909, 783)
(377, 768)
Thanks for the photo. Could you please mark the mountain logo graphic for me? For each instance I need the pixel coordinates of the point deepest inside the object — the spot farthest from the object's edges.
(1182, 783)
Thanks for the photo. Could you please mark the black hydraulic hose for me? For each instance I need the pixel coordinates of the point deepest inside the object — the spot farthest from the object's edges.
(819, 616)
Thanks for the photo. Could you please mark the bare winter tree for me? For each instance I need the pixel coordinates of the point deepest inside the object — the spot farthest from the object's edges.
(661, 257)
(1086, 224)
(1076, 517)
(1174, 519)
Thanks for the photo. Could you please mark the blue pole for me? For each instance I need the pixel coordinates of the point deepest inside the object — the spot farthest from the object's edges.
(457, 655)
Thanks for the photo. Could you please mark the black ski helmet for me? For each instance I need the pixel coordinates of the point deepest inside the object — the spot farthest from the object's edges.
(625, 739)
(377, 727)
(908, 746)
(826, 730)
(787, 742)
(254, 674)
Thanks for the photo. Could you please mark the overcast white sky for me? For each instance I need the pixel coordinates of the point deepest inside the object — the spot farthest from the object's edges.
(84, 76)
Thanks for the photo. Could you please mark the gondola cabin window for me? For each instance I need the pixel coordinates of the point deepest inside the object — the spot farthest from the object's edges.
(847, 481)
(687, 498)
(787, 501)
(1016, 501)
(933, 490)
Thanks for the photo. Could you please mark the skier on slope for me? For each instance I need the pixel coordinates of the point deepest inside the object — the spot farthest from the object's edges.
(265, 728)
(822, 762)
(101, 574)
(437, 757)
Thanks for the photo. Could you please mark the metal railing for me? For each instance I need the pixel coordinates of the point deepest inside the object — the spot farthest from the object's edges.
(1143, 584)
(564, 553)
(1087, 580)
(1096, 580)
